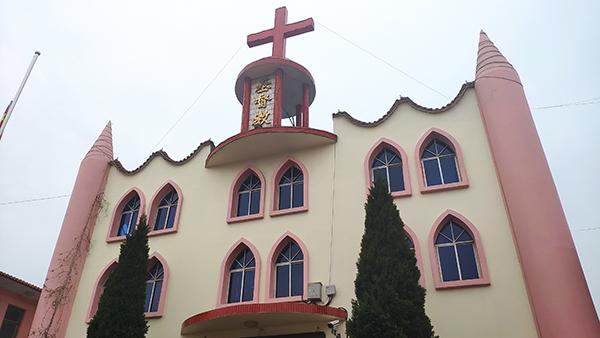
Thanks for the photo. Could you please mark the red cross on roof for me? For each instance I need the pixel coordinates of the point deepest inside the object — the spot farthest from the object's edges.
(281, 31)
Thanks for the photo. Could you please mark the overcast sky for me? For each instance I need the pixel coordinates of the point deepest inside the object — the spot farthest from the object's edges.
(141, 64)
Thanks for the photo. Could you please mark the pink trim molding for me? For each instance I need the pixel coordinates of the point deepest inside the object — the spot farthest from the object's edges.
(98, 288)
(163, 290)
(484, 278)
(155, 201)
(224, 275)
(232, 207)
(417, 246)
(111, 236)
(375, 149)
(290, 161)
(451, 141)
(279, 244)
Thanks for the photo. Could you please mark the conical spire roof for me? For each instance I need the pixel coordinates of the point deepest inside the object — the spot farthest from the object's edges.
(103, 147)
(491, 63)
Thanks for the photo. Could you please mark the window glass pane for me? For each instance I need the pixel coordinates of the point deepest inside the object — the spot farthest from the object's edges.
(286, 177)
(161, 217)
(248, 285)
(284, 197)
(13, 313)
(123, 225)
(409, 241)
(396, 178)
(379, 160)
(243, 200)
(282, 281)
(468, 263)
(148, 295)
(462, 235)
(172, 214)
(134, 218)
(449, 169)
(235, 287)
(445, 235)
(297, 279)
(255, 205)
(380, 174)
(295, 252)
(298, 195)
(432, 172)
(448, 263)
(156, 297)
(430, 151)
(9, 329)
(445, 150)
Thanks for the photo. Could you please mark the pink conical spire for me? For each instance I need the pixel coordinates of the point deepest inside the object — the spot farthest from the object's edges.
(491, 63)
(103, 147)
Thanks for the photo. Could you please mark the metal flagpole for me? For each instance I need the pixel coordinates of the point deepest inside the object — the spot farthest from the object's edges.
(13, 103)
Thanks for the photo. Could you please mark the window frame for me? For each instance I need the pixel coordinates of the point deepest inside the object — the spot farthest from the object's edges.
(484, 277)
(377, 147)
(113, 229)
(157, 197)
(273, 253)
(234, 250)
(283, 167)
(233, 196)
(452, 143)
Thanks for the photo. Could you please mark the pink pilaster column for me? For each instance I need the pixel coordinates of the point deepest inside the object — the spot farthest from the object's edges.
(56, 301)
(558, 294)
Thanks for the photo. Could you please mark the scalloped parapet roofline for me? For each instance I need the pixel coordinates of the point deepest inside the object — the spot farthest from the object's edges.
(411, 103)
(491, 63)
(161, 153)
(103, 147)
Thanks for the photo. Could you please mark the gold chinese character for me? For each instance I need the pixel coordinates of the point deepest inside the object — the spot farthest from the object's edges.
(260, 118)
(262, 100)
(263, 87)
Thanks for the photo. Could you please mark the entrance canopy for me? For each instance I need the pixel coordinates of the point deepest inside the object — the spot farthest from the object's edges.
(245, 316)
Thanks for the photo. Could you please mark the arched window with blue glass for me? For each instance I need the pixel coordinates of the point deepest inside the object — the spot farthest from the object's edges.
(289, 271)
(440, 165)
(241, 277)
(166, 211)
(387, 166)
(291, 188)
(456, 252)
(154, 285)
(129, 216)
(248, 195)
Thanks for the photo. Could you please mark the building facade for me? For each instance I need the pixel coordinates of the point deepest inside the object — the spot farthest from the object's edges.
(18, 300)
(259, 235)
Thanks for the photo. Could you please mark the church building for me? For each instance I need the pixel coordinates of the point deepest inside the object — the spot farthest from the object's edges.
(258, 236)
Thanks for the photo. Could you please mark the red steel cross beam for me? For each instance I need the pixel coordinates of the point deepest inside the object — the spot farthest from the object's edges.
(281, 31)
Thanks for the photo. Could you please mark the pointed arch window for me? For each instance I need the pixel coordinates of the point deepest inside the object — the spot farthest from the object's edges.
(439, 164)
(291, 188)
(129, 216)
(456, 253)
(154, 284)
(241, 277)
(248, 196)
(289, 271)
(387, 165)
(166, 212)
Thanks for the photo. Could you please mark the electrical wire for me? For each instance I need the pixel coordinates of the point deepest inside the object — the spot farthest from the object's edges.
(198, 97)
(383, 60)
(35, 199)
(580, 103)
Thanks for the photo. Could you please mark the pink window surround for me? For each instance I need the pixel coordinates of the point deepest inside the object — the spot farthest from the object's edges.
(224, 276)
(101, 280)
(233, 196)
(275, 211)
(111, 236)
(164, 189)
(279, 244)
(381, 144)
(417, 246)
(436, 133)
(484, 276)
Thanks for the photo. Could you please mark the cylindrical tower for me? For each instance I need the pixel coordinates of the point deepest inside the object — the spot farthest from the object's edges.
(558, 293)
(56, 301)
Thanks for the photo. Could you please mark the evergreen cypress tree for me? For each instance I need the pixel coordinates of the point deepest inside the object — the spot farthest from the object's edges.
(389, 302)
(121, 308)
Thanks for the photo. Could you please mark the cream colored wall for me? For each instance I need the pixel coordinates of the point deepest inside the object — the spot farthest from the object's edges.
(195, 252)
(499, 310)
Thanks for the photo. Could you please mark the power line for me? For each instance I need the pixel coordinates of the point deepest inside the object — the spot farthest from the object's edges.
(587, 229)
(197, 98)
(35, 199)
(580, 103)
(383, 60)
